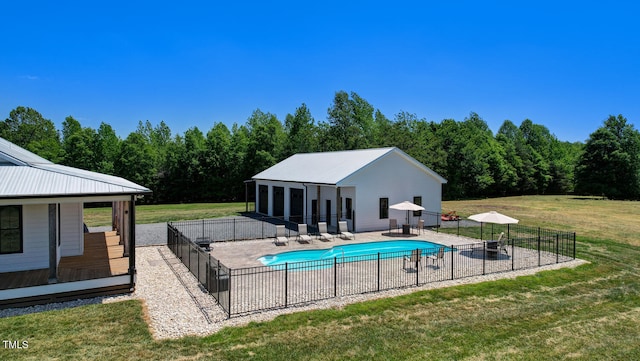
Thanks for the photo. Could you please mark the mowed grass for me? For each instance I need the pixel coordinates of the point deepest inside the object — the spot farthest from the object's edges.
(588, 313)
(588, 217)
(94, 217)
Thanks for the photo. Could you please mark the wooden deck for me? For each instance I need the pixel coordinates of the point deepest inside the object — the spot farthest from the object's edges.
(102, 258)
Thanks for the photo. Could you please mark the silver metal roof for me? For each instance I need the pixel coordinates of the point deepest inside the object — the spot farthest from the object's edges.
(331, 167)
(24, 174)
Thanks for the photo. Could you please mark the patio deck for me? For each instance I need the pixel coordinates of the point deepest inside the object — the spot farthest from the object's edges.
(103, 257)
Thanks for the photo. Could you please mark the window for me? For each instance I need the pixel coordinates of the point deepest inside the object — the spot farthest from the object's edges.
(384, 208)
(417, 200)
(349, 206)
(10, 229)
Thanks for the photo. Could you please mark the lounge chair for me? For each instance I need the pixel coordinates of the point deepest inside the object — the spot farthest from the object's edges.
(393, 224)
(420, 226)
(414, 259)
(322, 231)
(303, 235)
(438, 256)
(344, 231)
(499, 243)
(281, 238)
(500, 246)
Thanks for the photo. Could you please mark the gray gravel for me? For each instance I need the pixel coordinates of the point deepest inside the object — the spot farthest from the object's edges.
(152, 234)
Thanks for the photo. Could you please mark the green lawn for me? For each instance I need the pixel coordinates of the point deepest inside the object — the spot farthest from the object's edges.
(168, 212)
(588, 313)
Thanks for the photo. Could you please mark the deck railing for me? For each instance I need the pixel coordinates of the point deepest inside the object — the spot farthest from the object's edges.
(243, 290)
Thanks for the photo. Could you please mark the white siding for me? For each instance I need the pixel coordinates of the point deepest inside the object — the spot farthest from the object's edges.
(35, 226)
(394, 178)
(71, 231)
(347, 192)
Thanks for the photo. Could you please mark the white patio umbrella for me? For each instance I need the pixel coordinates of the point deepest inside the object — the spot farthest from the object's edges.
(406, 206)
(493, 217)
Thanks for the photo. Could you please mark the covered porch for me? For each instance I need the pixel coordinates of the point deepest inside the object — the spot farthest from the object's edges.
(103, 257)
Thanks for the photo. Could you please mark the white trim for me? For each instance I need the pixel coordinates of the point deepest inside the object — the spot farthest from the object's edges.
(64, 287)
(15, 201)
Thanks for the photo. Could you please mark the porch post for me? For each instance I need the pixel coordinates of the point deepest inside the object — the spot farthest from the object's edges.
(338, 206)
(125, 235)
(317, 206)
(132, 241)
(53, 244)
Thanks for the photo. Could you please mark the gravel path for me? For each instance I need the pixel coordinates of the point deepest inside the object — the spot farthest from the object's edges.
(146, 234)
(177, 306)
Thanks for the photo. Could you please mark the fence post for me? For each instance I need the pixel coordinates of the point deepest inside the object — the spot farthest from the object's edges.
(557, 246)
(229, 292)
(234, 229)
(539, 260)
(418, 253)
(452, 265)
(218, 283)
(203, 228)
(513, 254)
(378, 271)
(484, 256)
(208, 274)
(335, 276)
(574, 245)
(286, 283)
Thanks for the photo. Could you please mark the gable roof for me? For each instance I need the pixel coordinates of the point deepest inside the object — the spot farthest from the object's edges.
(24, 174)
(332, 167)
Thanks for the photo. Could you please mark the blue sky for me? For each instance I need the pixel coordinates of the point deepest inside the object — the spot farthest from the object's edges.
(566, 65)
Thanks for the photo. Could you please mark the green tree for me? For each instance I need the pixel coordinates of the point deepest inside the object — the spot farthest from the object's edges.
(107, 147)
(471, 153)
(79, 145)
(28, 129)
(136, 161)
(216, 163)
(350, 123)
(610, 163)
(266, 139)
(300, 130)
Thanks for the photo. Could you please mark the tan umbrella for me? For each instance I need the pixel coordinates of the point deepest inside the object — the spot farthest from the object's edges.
(493, 217)
(406, 206)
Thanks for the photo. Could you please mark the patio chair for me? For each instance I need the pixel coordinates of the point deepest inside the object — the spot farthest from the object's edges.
(420, 226)
(344, 231)
(280, 237)
(437, 257)
(393, 224)
(500, 246)
(303, 235)
(413, 259)
(322, 231)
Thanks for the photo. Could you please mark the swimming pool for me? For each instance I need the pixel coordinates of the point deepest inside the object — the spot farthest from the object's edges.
(359, 251)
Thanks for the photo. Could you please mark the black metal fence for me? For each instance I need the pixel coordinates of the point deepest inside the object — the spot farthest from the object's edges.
(243, 290)
(255, 226)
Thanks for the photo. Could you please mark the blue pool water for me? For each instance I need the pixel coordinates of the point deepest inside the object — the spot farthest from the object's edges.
(352, 252)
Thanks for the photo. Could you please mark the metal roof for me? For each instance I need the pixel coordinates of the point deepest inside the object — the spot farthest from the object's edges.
(331, 167)
(24, 174)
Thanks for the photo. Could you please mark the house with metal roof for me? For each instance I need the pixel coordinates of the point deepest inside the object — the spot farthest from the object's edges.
(45, 252)
(356, 185)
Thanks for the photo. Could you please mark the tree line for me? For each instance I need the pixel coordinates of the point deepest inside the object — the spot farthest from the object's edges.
(206, 167)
